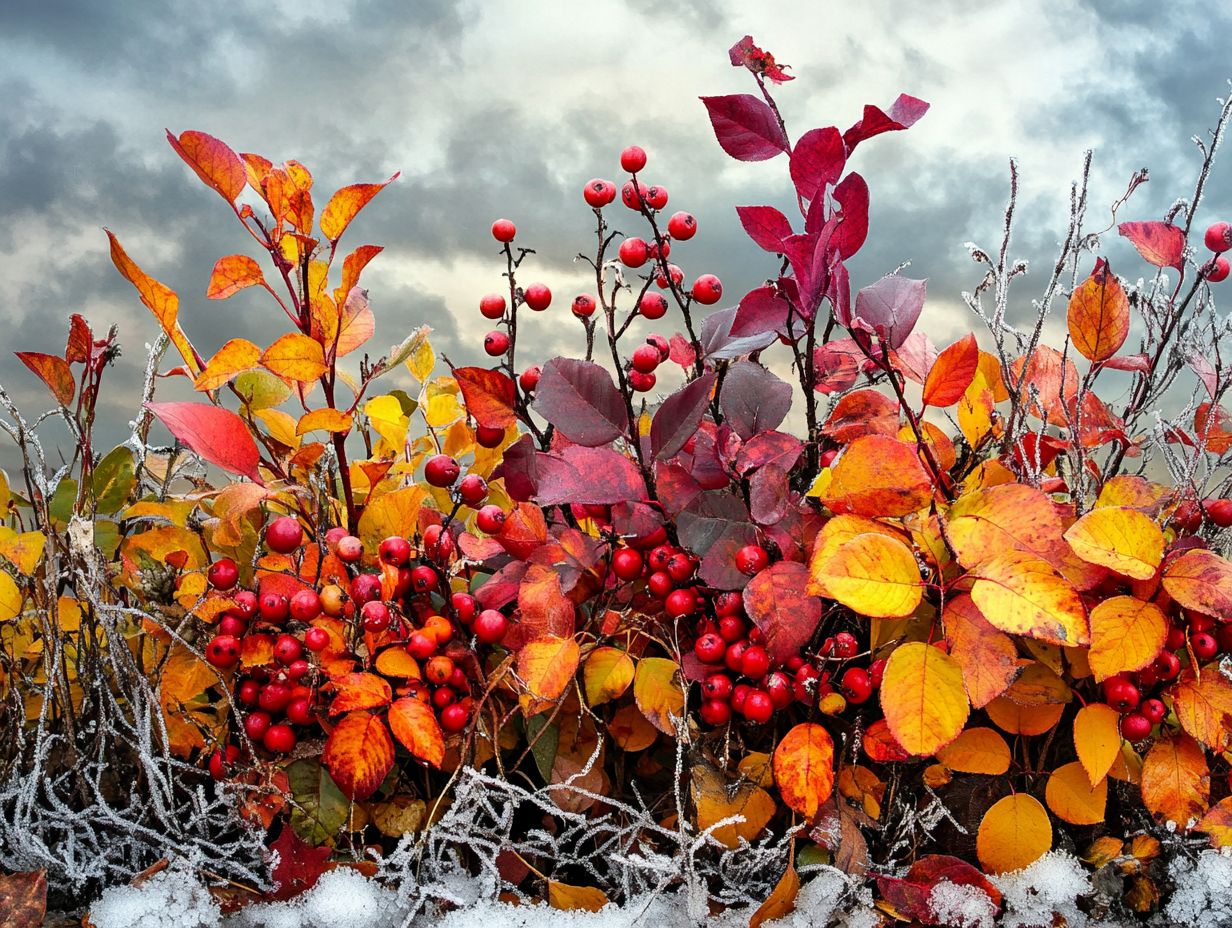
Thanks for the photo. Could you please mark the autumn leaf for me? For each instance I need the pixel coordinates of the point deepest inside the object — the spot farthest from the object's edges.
(1047, 384)
(1097, 739)
(231, 275)
(987, 656)
(715, 799)
(952, 373)
(1072, 798)
(1200, 580)
(777, 603)
(295, 356)
(878, 476)
(1203, 706)
(546, 665)
(235, 357)
(1099, 315)
(1023, 595)
(489, 396)
(326, 420)
(23, 550)
(607, 673)
(923, 698)
(1124, 540)
(657, 692)
(299, 865)
(415, 726)
(23, 899)
(1012, 517)
(345, 205)
(395, 513)
(1217, 823)
(977, 750)
(213, 161)
(161, 300)
(782, 899)
(359, 753)
(1126, 635)
(359, 691)
(804, 768)
(569, 898)
(1013, 834)
(54, 372)
(1176, 780)
(873, 575)
(215, 434)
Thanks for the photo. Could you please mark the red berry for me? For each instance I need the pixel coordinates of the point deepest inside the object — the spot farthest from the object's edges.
(1175, 639)
(656, 197)
(755, 662)
(677, 277)
(256, 724)
(395, 550)
(459, 681)
(274, 608)
(538, 297)
(454, 718)
(220, 761)
(707, 289)
(298, 669)
(246, 604)
(658, 342)
(710, 649)
(1135, 726)
(845, 645)
(305, 605)
(715, 712)
(232, 625)
(496, 343)
(473, 490)
(316, 640)
(284, 534)
(365, 588)
(492, 306)
(1121, 694)
(653, 306)
(503, 230)
(248, 693)
(1219, 237)
(717, 686)
(287, 649)
(584, 305)
(627, 564)
(489, 436)
(659, 584)
(280, 739)
(441, 470)
(632, 159)
(421, 645)
(274, 698)
(223, 651)
(856, 684)
(732, 628)
(424, 578)
(630, 197)
(642, 383)
(1220, 512)
(443, 697)
(1217, 270)
(876, 672)
(1154, 710)
(758, 707)
(633, 252)
(680, 603)
(680, 567)
(375, 616)
(490, 626)
(645, 358)
(729, 603)
(529, 379)
(223, 574)
(733, 657)
(299, 712)
(465, 605)
(660, 248)
(682, 226)
(350, 550)
(490, 519)
(1167, 665)
(778, 687)
(752, 559)
(1204, 646)
(599, 193)
(659, 556)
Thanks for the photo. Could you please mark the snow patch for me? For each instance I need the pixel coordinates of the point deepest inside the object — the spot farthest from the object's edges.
(1202, 897)
(1050, 886)
(172, 898)
(961, 906)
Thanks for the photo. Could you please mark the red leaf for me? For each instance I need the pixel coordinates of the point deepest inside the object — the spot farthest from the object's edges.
(215, 434)
(1160, 243)
(952, 373)
(891, 306)
(766, 226)
(762, 311)
(679, 415)
(214, 162)
(597, 476)
(904, 113)
(852, 196)
(579, 398)
(80, 340)
(862, 412)
(817, 160)
(776, 602)
(54, 372)
(681, 351)
(746, 127)
(1138, 363)
(299, 865)
(23, 899)
(769, 448)
(753, 400)
(488, 394)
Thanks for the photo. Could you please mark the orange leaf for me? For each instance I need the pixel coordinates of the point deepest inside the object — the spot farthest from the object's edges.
(397, 662)
(232, 274)
(880, 745)
(414, 724)
(782, 899)
(1200, 580)
(159, 299)
(1011, 517)
(569, 898)
(1018, 719)
(1055, 384)
(345, 205)
(987, 656)
(54, 372)
(1015, 833)
(235, 357)
(214, 162)
(327, 420)
(353, 266)
(546, 666)
(715, 800)
(359, 691)
(1203, 706)
(607, 674)
(1218, 823)
(359, 753)
(874, 575)
(804, 768)
(878, 476)
(1023, 595)
(295, 356)
(923, 698)
(657, 693)
(488, 395)
(1124, 540)
(1099, 315)
(1073, 799)
(1213, 427)
(1176, 781)
(1126, 635)
(952, 373)
(356, 325)
(977, 750)
(1097, 739)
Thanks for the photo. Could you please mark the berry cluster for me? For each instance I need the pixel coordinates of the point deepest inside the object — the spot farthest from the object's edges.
(1218, 239)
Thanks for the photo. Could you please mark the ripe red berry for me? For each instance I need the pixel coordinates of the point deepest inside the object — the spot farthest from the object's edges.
(845, 645)
(492, 306)
(473, 490)
(1135, 727)
(599, 193)
(1219, 511)
(707, 289)
(287, 649)
(755, 662)
(632, 159)
(659, 584)
(715, 712)
(528, 380)
(503, 230)
(443, 697)
(658, 342)
(856, 684)
(584, 305)
(375, 616)
(316, 640)
(653, 306)
(758, 708)
(299, 712)
(680, 567)
(1167, 665)
(876, 672)
(1219, 237)
(223, 574)
(732, 628)
(752, 559)
(779, 688)
(656, 196)
(279, 739)
(248, 692)
(489, 436)
(645, 358)
(350, 550)
(365, 588)
(496, 343)
(394, 550)
(305, 605)
(465, 606)
(232, 625)
(633, 252)
(538, 297)
(274, 608)
(627, 564)
(246, 604)
(660, 249)
(682, 226)
(441, 470)
(256, 724)
(677, 277)
(630, 196)
(717, 686)
(1121, 694)
(454, 718)
(459, 681)
(1154, 710)
(680, 603)
(642, 383)
(284, 534)
(1175, 639)
(733, 657)
(221, 761)
(1203, 645)
(710, 649)
(490, 626)
(424, 578)
(729, 603)
(274, 697)
(1217, 270)
(490, 519)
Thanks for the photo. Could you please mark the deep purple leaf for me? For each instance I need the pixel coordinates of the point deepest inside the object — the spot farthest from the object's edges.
(519, 468)
(746, 127)
(716, 525)
(679, 415)
(594, 476)
(718, 343)
(753, 399)
(769, 494)
(817, 160)
(904, 113)
(1160, 243)
(580, 400)
(852, 196)
(763, 310)
(891, 307)
(766, 226)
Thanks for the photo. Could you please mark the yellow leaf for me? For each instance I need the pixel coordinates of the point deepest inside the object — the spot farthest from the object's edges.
(1126, 635)
(235, 357)
(10, 598)
(1073, 799)
(567, 898)
(386, 416)
(1124, 540)
(1218, 823)
(23, 551)
(280, 425)
(607, 674)
(657, 693)
(1015, 833)
(987, 656)
(715, 800)
(442, 409)
(395, 513)
(1202, 581)
(1016, 719)
(977, 750)
(873, 575)
(1023, 595)
(546, 665)
(327, 420)
(422, 361)
(1012, 517)
(1097, 739)
(923, 698)
(295, 356)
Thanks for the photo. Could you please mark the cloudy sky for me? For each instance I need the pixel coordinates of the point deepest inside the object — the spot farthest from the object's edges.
(503, 109)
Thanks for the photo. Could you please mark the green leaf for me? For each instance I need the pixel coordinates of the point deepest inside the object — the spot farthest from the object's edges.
(545, 745)
(63, 500)
(113, 480)
(320, 808)
(261, 389)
